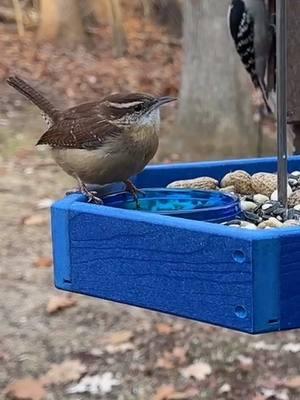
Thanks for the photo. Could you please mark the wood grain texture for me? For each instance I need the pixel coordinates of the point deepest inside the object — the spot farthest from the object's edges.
(290, 281)
(245, 280)
(186, 273)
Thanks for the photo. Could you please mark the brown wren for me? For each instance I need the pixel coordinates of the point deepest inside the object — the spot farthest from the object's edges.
(100, 142)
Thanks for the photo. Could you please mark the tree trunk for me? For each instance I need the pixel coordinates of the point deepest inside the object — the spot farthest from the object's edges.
(147, 8)
(100, 10)
(168, 13)
(19, 18)
(60, 21)
(215, 111)
(119, 36)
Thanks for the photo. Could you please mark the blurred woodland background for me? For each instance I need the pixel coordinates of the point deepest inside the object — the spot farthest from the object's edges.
(76, 50)
(55, 346)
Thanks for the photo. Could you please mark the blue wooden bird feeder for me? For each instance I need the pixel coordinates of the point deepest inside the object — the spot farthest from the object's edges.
(245, 280)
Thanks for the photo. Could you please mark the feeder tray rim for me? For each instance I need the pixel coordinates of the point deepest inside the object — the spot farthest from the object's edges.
(79, 203)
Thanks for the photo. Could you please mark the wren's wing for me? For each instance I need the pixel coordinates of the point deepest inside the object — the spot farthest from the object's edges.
(81, 127)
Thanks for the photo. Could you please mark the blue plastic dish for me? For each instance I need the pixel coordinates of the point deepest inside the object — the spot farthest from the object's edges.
(201, 205)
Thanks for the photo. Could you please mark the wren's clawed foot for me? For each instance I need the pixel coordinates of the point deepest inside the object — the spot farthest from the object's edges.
(91, 196)
(133, 190)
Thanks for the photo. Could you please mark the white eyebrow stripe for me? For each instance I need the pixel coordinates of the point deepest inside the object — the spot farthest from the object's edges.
(125, 105)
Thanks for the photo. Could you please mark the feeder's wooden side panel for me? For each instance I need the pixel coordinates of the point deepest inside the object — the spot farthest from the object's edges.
(290, 282)
(199, 275)
(293, 92)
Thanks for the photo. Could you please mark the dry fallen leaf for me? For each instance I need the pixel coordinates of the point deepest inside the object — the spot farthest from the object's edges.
(164, 392)
(259, 397)
(168, 392)
(164, 363)
(271, 382)
(246, 363)
(293, 382)
(26, 389)
(67, 371)
(186, 395)
(96, 385)
(179, 353)
(199, 371)
(119, 348)
(3, 171)
(225, 388)
(4, 356)
(60, 302)
(35, 219)
(261, 345)
(271, 394)
(172, 359)
(164, 329)
(43, 262)
(118, 337)
(24, 154)
(291, 347)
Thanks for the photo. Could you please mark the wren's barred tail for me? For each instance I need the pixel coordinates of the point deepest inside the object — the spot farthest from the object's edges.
(49, 111)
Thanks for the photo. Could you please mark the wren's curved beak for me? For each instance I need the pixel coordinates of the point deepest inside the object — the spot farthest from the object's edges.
(160, 101)
(165, 100)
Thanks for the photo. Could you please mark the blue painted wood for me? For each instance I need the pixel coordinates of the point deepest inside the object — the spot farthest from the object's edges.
(245, 280)
(290, 281)
(266, 294)
(60, 237)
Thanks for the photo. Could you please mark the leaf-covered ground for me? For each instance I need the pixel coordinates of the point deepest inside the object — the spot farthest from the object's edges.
(57, 346)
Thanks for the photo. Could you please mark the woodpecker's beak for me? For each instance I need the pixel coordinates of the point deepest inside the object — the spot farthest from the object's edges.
(159, 101)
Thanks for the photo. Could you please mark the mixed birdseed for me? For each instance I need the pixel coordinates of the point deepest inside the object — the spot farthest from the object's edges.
(258, 195)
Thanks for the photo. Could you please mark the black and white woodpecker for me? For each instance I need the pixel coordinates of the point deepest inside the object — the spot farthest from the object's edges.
(250, 29)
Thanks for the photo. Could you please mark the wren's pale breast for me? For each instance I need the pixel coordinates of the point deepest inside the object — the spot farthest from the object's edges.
(118, 159)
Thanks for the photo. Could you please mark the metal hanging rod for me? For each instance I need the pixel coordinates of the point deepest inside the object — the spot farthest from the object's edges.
(281, 90)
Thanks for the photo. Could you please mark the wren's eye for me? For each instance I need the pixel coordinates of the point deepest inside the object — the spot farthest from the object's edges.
(138, 107)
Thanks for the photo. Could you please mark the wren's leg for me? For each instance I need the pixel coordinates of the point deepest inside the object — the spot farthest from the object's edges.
(130, 187)
(90, 195)
(73, 191)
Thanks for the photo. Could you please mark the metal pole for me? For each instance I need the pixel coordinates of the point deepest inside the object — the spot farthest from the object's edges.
(281, 79)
